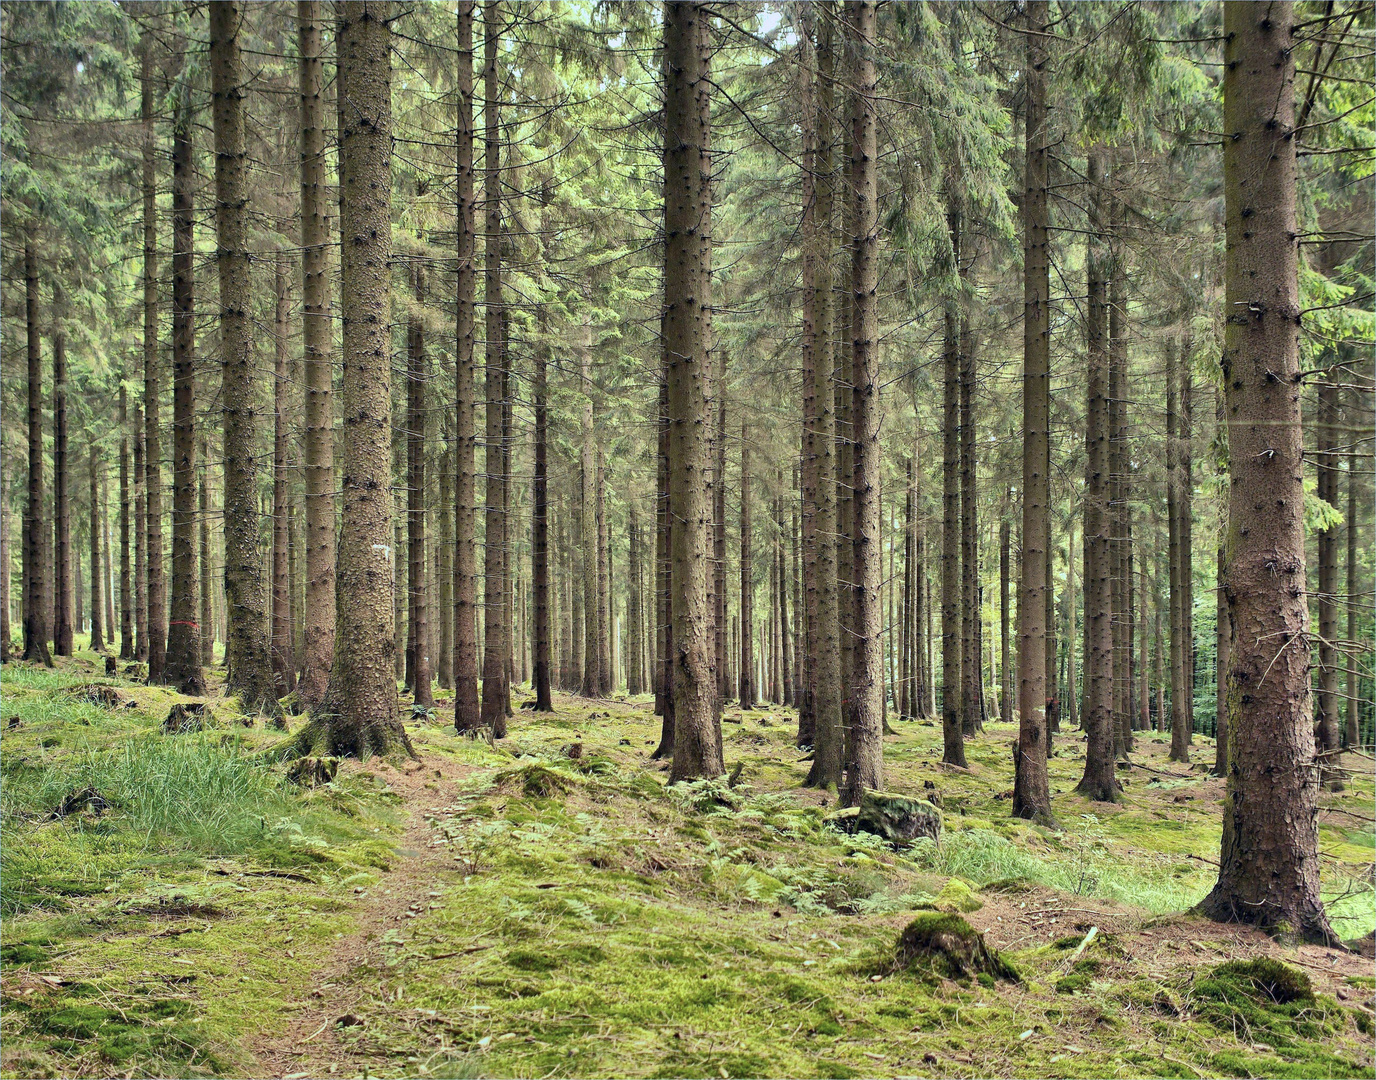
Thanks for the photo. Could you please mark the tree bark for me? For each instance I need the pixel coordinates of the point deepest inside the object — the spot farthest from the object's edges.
(664, 611)
(719, 543)
(605, 676)
(493, 714)
(1327, 730)
(952, 623)
(972, 689)
(1119, 513)
(64, 601)
(207, 622)
(1031, 790)
(153, 643)
(126, 496)
(318, 367)
(1181, 709)
(35, 571)
(539, 539)
(140, 542)
(467, 714)
(1099, 781)
(97, 581)
(587, 508)
(1269, 861)
(746, 689)
(418, 599)
(1354, 701)
(283, 665)
(687, 344)
(444, 562)
(359, 712)
(246, 642)
(1224, 626)
(1005, 683)
(183, 659)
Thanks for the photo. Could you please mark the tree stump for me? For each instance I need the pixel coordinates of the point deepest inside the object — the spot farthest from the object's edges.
(944, 944)
(899, 819)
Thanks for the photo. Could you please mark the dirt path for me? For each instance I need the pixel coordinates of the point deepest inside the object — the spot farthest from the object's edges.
(310, 1045)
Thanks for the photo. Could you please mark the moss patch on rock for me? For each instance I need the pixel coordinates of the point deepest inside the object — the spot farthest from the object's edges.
(945, 944)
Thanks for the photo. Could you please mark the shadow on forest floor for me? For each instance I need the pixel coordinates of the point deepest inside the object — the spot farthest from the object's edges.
(520, 911)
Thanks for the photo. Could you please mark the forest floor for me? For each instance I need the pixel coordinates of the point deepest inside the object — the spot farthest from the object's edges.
(536, 910)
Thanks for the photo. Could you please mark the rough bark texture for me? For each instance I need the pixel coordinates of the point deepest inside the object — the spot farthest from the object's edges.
(126, 495)
(539, 527)
(972, 681)
(418, 667)
(1269, 861)
(1031, 791)
(1181, 708)
(664, 609)
(1099, 781)
(97, 575)
(283, 664)
(827, 691)
(140, 542)
(467, 715)
(865, 764)
(1224, 627)
(1326, 727)
(1005, 681)
(246, 640)
(359, 712)
(587, 519)
(494, 577)
(207, 621)
(35, 571)
(687, 345)
(183, 660)
(153, 643)
(952, 655)
(720, 606)
(318, 368)
(64, 599)
(746, 689)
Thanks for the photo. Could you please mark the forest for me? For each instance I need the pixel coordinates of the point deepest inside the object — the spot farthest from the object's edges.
(565, 538)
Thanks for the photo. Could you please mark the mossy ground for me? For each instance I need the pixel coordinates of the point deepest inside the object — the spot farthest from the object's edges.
(511, 911)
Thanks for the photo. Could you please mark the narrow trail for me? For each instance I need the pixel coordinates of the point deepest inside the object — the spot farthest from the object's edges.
(421, 873)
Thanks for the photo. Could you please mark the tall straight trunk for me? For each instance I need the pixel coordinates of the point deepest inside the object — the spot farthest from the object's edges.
(246, 642)
(78, 591)
(687, 344)
(604, 627)
(97, 580)
(746, 689)
(587, 510)
(539, 527)
(952, 653)
(719, 542)
(153, 646)
(1099, 781)
(1072, 697)
(1121, 489)
(971, 678)
(64, 599)
(444, 562)
(797, 632)
(318, 368)
(865, 758)
(401, 565)
(634, 640)
(1031, 790)
(1269, 862)
(358, 715)
(467, 714)
(106, 559)
(140, 542)
(922, 664)
(418, 598)
(1326, 726)
(664, 611)
(207, 621)
(1186, 496)
(1181, 710)
(905, 642)
(494, 566)
(183, 659)
(1224, 640)
(785, 677)
(5, 563)
(1005, 683)
(283, 665)
(509, 530)
(1353, 734)
(827, 691)
(35, 571)
(126, 496)
(811, 255)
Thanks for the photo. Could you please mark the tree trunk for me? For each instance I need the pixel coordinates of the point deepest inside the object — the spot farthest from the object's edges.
(687, 344)
(467, 715)
(952, 654)
(153, 643)
(246, 643)
(1005, 683)
(183, 659)
(634, 641)
(971, 677)
(1031, 790)
(283, 667)
(905, 642)
(63, 614)
(359, 711)
(97, 581)
(1186, 496)
(746, 689)
(107, 581)
(5, 563)
(126, 570)
(865, 759)
(719, 543)
(1099, 781)
(318, 369)
(664, 610)
(35, 571)
(1224, 645)
(1072, 678)
(207, 621)
(540, 519)
(494, 576)
(1119, 516)
(812, 256)
(587, 510)
(140, 541)
(444, 562)
(1269, 862)
(418, 673)
(1181, 711)
(1354, 702)
(1326, 727)
(604, 625)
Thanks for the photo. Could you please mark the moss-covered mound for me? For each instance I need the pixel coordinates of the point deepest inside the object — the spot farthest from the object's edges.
(943, 943)
(1267, 1000)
